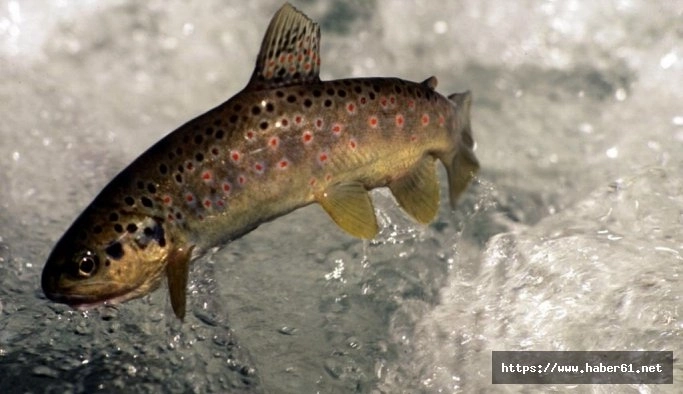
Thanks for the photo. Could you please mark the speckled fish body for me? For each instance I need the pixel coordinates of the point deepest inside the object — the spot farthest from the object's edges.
(286, 141)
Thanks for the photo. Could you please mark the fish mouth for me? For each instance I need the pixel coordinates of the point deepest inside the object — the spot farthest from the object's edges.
(83, 301)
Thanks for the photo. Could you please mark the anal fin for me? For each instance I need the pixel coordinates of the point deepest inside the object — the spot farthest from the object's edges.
(349, 205)
(417, 192)
(177, 270)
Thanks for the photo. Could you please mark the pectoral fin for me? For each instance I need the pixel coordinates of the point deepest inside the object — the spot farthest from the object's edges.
(417, 192)
(349, 205)
(177, 270)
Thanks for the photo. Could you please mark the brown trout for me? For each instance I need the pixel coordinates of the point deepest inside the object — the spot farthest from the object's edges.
(287, 140)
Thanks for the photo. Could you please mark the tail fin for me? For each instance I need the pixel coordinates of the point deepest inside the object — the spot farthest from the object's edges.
(461, 164)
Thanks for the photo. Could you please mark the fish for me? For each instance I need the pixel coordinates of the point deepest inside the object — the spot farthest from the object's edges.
(287, 140)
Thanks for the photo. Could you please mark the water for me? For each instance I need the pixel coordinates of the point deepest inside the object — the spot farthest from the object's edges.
(570, 238)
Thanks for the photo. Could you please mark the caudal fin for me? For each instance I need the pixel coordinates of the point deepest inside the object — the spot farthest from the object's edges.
(461, 163)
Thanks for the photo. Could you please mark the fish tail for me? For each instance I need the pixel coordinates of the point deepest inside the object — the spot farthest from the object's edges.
(460, 162)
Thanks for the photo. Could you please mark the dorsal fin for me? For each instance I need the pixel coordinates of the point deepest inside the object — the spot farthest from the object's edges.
(289, 52)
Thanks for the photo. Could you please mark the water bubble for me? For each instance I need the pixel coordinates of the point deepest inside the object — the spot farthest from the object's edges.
(668, 60)
(612, 152)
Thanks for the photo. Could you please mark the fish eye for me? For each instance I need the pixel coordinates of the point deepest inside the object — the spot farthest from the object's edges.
(85, 265)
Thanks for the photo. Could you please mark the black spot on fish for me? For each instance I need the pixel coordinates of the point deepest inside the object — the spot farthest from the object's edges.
(181, 168)
(118, 228)
(341, 93)
(358, 89)
(148, 231)
(179, 178)
(178, 215)
(217, 122)
(198, 139)
(397, 89)
(113, 217)
(129, 200)
(209, 131)
(308, 103)
(179, 151)
(263, 125)
(163, 169)
(97, 229)
(141, 185)
(237, 107)
(255, 110)
(270, 107)
(146, 202)
(234, 118)
(151, 188)
(162, 241)
(280, 94)
(330, 92)
(376, 88)
(291, 98)
(219, 134)
(317, 93)
(107, 262)
(371, 95)
(115, 251)
(328, 103)
(131, 228)
(199, 157)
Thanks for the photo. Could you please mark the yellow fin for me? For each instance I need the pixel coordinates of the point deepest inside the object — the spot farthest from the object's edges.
(417, 192)
(176, 273)
(349, 205)
(290, 51)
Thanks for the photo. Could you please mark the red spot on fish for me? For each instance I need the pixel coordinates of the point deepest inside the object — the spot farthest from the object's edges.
(249, 135)
(392, 100)
(425, 119)
(290, 58)
(352, 144)
(220, 203)
(319, 123)
(170, 217)
(284, 122)
(337, 129)
(281, 59)
(226, 187)
(241, 179)
(298, 119)
(307, 137)
(383, 102)
(292, 69)
(373, 121)
(351, 108)
(411, 104)
(328, 177)
(167, 200)
(283, 164)
(215, 151)
(189, 166)
(442, 121)
(189, 197)
(362, 100)
(322, 157)
(307, 66)
(206, 176)
(399, 120)
(312, 182)
(413, 138)
(207, 203)
(274, 142)
(258, 167)
(235, 156)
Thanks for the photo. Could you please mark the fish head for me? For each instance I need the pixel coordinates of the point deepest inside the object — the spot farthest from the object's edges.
(99, 262)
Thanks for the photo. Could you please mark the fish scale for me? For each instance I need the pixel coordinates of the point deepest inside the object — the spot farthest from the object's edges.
(287, 140)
